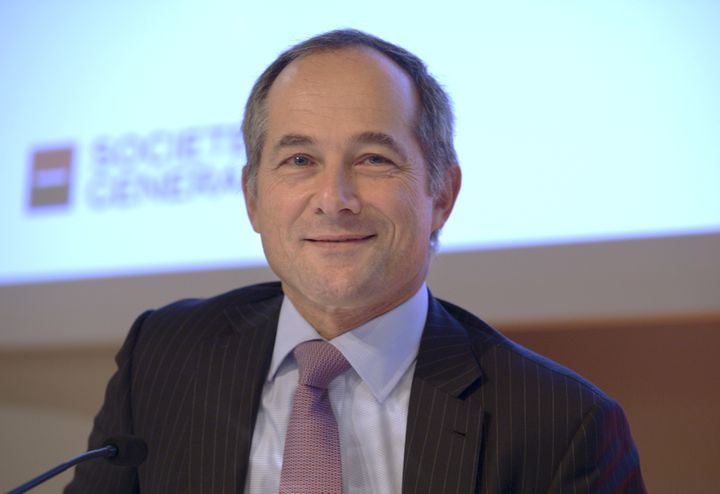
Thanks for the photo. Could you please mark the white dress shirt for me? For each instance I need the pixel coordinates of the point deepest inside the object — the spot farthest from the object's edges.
(370, 400)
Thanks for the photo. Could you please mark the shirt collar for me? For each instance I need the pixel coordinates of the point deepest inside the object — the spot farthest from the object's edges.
(380, 351)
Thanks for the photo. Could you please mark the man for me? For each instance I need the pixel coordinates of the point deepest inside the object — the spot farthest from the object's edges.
(351, 174)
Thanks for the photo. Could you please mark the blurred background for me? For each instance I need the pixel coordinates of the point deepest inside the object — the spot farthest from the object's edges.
(588, 227)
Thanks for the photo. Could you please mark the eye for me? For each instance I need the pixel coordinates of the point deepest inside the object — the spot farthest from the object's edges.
(376, 159)
(298, 160)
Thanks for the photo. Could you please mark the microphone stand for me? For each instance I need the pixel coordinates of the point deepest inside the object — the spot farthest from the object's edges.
(105, 452)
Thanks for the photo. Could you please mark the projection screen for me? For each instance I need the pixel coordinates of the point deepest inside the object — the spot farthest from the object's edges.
(587, 135)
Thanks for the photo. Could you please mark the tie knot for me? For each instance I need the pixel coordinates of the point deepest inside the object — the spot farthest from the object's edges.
(319, 363)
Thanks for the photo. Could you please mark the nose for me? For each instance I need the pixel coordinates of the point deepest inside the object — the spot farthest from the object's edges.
(337, 192)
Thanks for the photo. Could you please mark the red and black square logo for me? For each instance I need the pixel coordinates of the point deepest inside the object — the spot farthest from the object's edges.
(50, 177)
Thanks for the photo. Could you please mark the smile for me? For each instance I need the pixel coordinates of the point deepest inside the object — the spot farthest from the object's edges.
(344, 239)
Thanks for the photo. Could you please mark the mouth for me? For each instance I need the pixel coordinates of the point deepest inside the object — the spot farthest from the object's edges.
(339, 239)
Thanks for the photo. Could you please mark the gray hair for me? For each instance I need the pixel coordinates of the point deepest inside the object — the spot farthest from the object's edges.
(433, 125)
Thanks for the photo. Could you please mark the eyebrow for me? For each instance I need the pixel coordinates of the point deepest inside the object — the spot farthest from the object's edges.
(289, 140)
(381, 139)
(369, 137)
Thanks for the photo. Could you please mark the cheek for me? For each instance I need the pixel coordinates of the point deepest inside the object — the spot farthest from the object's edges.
(411, 213)
(276, 208)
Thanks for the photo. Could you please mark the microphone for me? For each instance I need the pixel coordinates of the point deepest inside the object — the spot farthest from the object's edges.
(126, 451)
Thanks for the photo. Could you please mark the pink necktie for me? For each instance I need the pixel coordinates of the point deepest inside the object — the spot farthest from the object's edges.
(311, 460)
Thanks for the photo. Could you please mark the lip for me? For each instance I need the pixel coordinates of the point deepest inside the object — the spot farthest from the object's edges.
(339, 239)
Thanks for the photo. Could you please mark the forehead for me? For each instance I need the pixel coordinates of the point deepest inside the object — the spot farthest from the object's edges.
(351, 84)
(362, 65)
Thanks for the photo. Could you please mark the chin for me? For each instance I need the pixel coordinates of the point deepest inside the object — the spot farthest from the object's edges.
(336, 292)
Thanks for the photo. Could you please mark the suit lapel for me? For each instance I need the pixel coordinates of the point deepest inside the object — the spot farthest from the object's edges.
(444, 431)
(232, 366)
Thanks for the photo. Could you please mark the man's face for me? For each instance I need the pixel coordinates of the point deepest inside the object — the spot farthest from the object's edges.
(342, 201)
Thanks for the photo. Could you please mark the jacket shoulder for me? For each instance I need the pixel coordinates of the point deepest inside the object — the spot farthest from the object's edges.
(496, 351)
(547, 424)
(197, 318)
(239, 296)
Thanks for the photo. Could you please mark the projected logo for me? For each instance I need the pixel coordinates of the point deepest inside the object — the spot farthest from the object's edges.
(138, 169)
(164, 166)
(50, 177)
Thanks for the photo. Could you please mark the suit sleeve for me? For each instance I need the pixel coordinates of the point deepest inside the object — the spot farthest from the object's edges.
(114, 418)
(601, 457)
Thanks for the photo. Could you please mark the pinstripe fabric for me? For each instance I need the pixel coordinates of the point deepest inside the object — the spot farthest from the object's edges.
(189, 381)
(485, 415)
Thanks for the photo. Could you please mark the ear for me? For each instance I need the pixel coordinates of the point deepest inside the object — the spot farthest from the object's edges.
(249, 192)
(444, 200)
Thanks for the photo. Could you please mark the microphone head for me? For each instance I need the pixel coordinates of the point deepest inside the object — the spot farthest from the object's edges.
(131, 450)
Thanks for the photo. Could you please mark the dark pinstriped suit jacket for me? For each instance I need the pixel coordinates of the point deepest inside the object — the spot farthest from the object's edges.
(485, 414)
